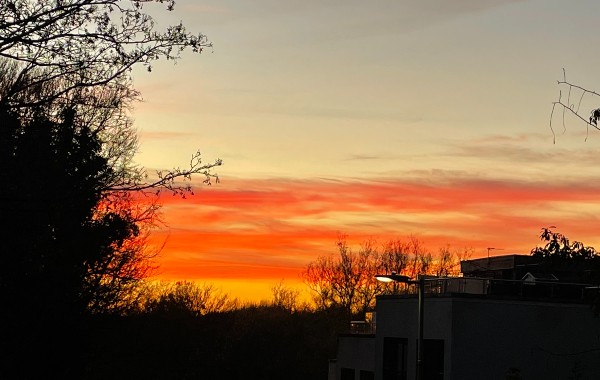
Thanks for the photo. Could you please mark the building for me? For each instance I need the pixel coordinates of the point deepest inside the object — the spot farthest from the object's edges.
(507, 267)
(499, 327)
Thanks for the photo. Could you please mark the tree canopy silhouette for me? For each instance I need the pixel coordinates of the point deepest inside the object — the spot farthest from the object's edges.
(67, 245)
(77, 208)
(86, 43)
(68, 145)
(76, 153)
(347, 280)
(60, 246)
(570, 260)
(559, 247)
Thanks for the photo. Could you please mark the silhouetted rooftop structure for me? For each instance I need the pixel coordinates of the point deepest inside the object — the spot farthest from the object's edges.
(531, 268)
(507, 267)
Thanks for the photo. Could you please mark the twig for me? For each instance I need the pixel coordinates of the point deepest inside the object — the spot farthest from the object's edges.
(571, 107)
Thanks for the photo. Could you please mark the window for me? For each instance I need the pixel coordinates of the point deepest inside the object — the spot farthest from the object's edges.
(433, 359)
(347, 374)
(367, 375)
(394, 358)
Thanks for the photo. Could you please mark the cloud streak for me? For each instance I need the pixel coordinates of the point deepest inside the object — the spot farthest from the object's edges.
(270, 229)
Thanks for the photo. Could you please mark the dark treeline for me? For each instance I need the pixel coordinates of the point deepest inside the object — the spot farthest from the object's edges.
(76, 208)
(179, 331)
(253, 342)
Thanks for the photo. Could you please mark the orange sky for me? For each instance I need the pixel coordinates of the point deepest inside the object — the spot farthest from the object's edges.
(376, 120)
(247, 235)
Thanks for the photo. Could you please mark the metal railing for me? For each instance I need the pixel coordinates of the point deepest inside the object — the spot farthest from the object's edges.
(500, 287)
(492, 287)
(362, 327)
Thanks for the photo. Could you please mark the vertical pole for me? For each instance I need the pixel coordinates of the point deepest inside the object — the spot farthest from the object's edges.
(421, 348)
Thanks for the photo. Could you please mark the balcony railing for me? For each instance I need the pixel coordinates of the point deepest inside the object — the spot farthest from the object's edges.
(362, 327)
(516, 288)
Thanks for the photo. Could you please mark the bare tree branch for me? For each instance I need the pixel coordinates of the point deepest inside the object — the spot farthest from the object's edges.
(567, 106)
(87, 43)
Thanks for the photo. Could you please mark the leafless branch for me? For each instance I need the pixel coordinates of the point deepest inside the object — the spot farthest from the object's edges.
(568, 107)
(87, 43)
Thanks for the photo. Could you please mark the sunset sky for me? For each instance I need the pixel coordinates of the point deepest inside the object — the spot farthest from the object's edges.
(375, 119)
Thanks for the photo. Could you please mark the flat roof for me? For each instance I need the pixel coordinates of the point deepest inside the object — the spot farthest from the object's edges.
(496, 263)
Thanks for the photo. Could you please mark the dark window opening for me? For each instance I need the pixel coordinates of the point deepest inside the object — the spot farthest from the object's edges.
(347, 374)
(394, 358)
(433, 359)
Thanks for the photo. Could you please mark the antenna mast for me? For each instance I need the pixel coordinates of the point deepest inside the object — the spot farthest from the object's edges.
(490, 248)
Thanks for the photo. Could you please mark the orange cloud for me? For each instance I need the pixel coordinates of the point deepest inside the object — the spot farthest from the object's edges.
(270, 229)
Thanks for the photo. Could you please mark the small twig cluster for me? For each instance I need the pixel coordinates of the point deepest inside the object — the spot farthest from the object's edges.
(568, 106)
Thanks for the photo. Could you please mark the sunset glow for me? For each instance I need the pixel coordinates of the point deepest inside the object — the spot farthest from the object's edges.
(427, 119)
(268, 230)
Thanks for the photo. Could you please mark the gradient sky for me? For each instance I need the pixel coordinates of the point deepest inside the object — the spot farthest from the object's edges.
(375, 119)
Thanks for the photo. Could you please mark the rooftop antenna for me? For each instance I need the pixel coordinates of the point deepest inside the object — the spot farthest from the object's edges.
(490, 248)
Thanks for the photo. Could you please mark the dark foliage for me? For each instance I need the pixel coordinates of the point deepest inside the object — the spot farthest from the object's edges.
(250, 343)
(72, 240)
(85, 43)
(53, 177)
(569, 261)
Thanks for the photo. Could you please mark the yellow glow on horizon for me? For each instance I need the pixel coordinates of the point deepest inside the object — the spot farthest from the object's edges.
(248, 290)
(392, 129)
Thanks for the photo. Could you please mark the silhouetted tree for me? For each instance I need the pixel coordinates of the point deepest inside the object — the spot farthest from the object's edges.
(249, 342)
(65, 66)
(558, 253)
(559, 248)
(348, 280)
(85, 43)
(70, 193)
(345, 281)
(448, 261)
(90, 130)
(395, 256)
(571, 101)
(318, 276)
(112, 280)
(186, 298)
(284, 297)
(76, 218)
(569, 260)
(420, 259)
(55, 237)
(367, 287)
(105, 111)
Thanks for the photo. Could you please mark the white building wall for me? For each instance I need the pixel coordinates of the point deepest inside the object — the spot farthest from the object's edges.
(398, 317)
(484, 337)
(542, 340)
(356, 352)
